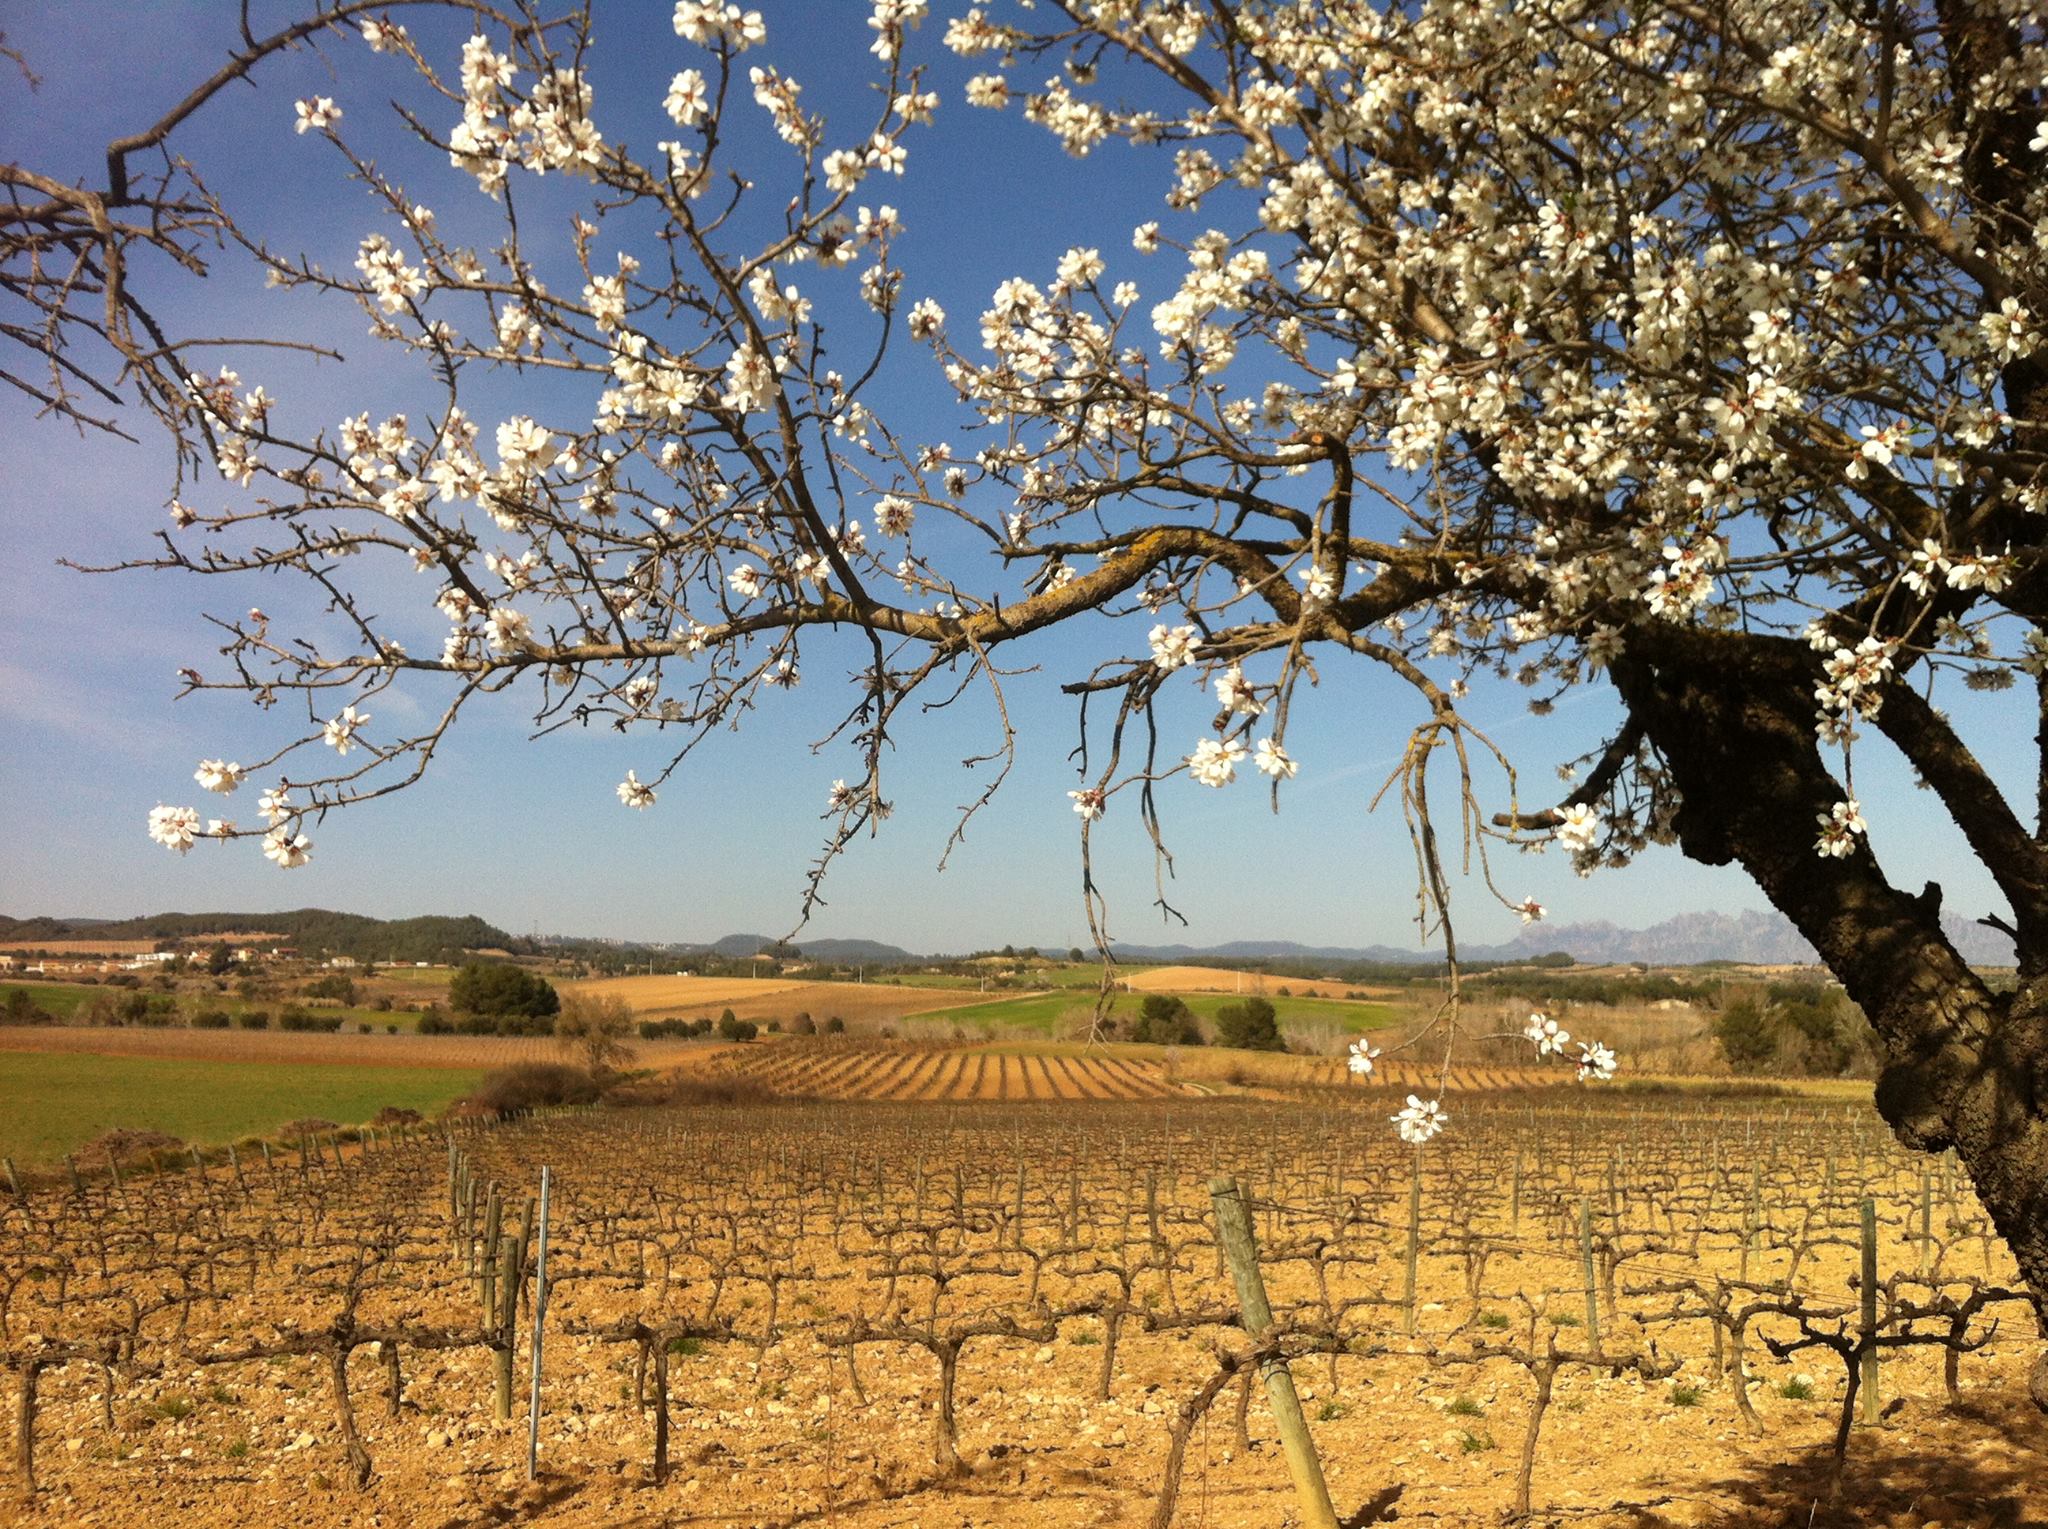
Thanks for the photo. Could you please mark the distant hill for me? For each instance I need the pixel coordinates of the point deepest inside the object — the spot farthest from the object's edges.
(739, 946)
(1766, 939)
(1762, 939)
(313, 931)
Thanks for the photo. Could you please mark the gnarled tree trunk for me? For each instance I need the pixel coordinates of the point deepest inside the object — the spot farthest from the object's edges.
(1967, 1068)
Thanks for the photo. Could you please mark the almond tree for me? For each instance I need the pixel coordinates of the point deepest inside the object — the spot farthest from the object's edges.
(1688, 351)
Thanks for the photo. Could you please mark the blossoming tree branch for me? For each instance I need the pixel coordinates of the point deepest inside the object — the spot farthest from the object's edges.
(1692, 352)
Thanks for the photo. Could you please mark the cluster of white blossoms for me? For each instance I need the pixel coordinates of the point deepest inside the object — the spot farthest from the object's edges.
(1596, 1063)
(1579, 828)
(1840, 827)
(634, 794)
(219, 775)
(1235, 695)
(1420, 1119)
(1545, 1032)
(177, 828)
(1173, 646)
(547, 129)
(287, 848)
(173, 827)
(1852, 682)
(1988, 571)
(1089, 802)
(1215, 761)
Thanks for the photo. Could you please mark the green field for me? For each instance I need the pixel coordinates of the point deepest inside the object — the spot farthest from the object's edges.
(59, 998)
(65, 999)
(50, 1102)
(1042, 1011)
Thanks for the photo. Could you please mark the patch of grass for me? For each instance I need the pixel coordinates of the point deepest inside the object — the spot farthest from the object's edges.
(1043, 1011)
(1465, 1407)
(1566, 1319)
(1084, 1340)
(1474, 1443)
(224, 1396)
(1033, 1011)
(1495, 1319)
(171, 1408)
(239, 1450)
(59, 998)
(1329, 1412)
(1797, 1389)
(58, 1100)
(1687, 1396)
(685, 1348)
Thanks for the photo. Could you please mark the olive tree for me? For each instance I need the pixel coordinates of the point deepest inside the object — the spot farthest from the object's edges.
(1688, 351)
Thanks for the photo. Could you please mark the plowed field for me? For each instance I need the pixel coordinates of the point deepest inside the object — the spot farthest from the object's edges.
(906, 1074)
(1215, 979)
(800, 1069)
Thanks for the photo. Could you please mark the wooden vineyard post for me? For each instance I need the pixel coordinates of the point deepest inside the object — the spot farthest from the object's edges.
(1586, 1267)
(13, 1179)
(1926, 1219)
(507, 1324)
(1868, 1385)
(540, 1310)
(487, 1268)
(1234, 1236)
(1414, 1244)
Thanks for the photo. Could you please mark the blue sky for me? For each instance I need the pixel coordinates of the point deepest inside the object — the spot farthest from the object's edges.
(529, 834)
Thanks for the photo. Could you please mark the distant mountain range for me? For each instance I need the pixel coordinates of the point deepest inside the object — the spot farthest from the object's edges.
(1764, 939)
(314, 931)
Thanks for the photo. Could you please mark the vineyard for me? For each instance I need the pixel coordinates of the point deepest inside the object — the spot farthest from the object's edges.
(866, 1311)
(860, 1070)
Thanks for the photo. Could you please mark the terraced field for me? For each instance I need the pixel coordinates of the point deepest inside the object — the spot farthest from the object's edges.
(800, 1069)
(941, 1074)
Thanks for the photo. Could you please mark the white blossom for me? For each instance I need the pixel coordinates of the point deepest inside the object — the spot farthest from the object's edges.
(1273, 760)
(287, 849)
(1173, 647)
(1548, 1036)
(219, 775)
(1840, 827)
(1581, 826)
(1214, 763)
(317, 115)
(173, 827)
(1420, 1119)
(339, 733)
(1596, 1063)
